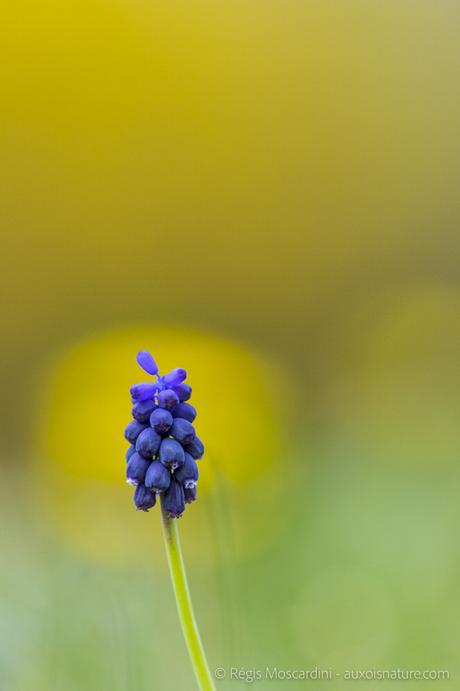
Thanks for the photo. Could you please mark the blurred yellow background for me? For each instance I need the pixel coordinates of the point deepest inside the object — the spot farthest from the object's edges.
(266, 194)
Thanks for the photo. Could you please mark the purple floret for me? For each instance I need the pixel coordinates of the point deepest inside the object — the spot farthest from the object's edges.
(146, 361)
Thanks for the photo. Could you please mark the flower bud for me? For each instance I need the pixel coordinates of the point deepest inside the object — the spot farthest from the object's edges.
(173, 502)
(187, 474)
(157, 477)
(146, 361)
(161, 420)
(182, 430)
(195, 448)
(136, 469)
(143, 409)
(144, 498)
(133, 430)
(175, 377)
(171, 453)
(185, 410)
(167, 399)
(129, 452)
(148, 443)
(189, 494)
(139, 392)
(184, 391)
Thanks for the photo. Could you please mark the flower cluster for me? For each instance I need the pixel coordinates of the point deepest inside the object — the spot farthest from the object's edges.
(162, 458)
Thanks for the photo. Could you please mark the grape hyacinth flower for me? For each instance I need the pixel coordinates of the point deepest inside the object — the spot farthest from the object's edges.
(161, 463)
(162, 432)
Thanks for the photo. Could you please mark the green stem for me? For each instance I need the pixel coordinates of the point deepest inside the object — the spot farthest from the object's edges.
(184, 603)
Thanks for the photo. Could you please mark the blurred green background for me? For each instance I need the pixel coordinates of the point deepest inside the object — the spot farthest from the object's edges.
(266, 194)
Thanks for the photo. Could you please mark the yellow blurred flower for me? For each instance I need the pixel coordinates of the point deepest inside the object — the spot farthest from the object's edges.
(86, 406)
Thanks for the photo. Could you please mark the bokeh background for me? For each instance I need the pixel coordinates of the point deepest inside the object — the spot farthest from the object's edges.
(266, 194)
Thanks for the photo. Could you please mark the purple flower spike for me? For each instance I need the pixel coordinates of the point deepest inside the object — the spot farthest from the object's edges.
(146, 361)
(163, 452)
